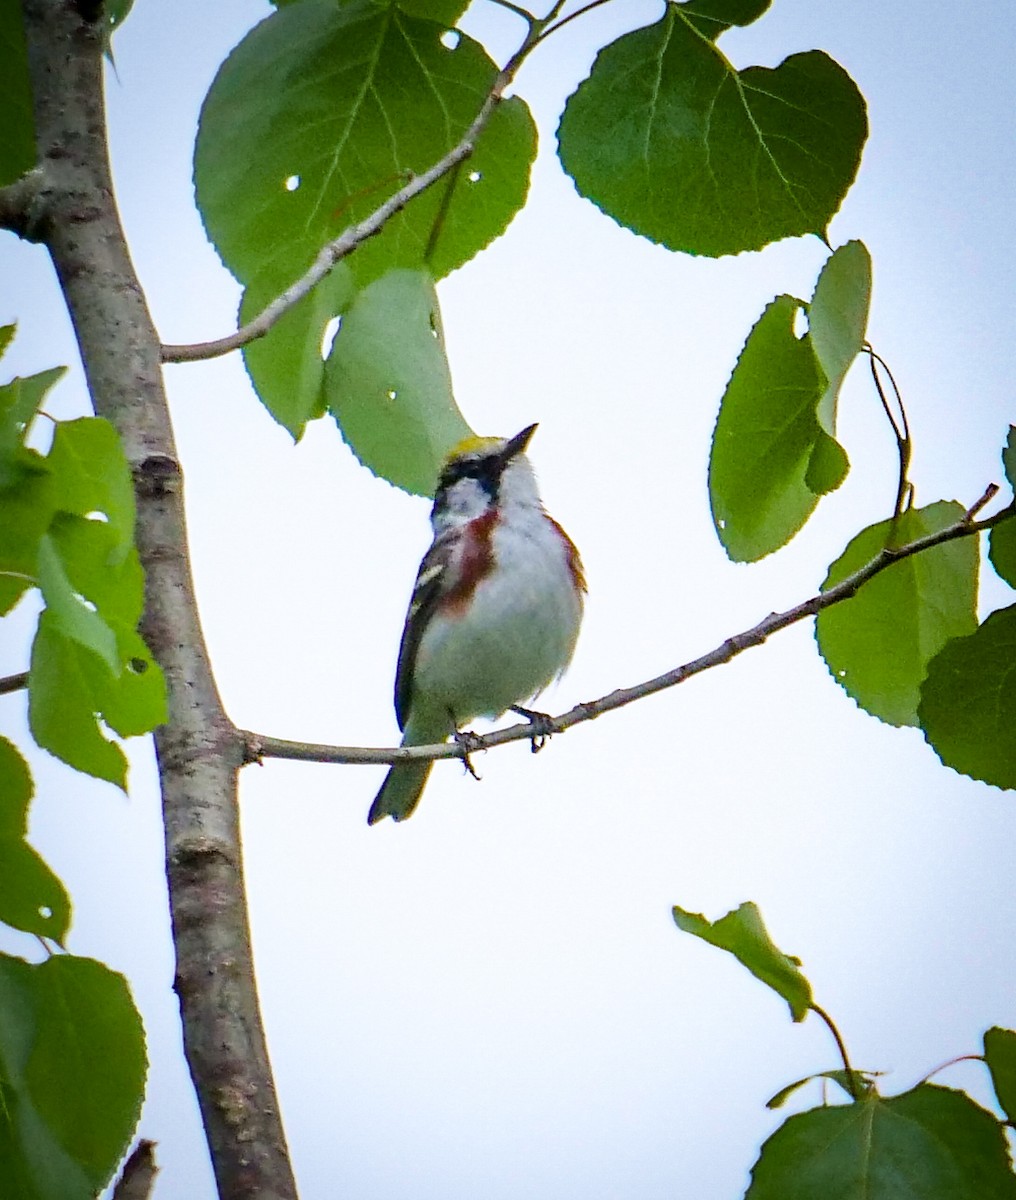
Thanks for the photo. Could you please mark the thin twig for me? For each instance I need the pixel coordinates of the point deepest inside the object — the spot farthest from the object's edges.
(260, 746)
(951, 1062)
(841, 1046)
(13, 683)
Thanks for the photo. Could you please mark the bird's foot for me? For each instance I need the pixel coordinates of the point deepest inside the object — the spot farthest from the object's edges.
(543, 726)
(468, 743)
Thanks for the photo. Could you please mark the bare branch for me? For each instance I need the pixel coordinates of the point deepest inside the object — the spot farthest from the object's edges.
(138, 1175)
(259, 746)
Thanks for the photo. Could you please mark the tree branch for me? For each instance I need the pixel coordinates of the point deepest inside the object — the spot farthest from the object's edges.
(13, 683)
(346, 242)
(199, 750)
(19, 205)
(259, 746)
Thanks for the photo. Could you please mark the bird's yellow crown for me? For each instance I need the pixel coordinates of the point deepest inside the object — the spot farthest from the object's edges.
(472, 445)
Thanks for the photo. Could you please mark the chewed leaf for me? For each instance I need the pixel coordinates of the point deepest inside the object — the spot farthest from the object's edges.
(765, 438)
(743, 934)
(323, 111)
(387, 382)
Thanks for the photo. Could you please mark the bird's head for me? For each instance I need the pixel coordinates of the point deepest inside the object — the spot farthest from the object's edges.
(481, 473)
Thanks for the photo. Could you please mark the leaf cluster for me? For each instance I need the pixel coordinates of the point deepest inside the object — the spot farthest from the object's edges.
(72, 1057)
(927, 1143)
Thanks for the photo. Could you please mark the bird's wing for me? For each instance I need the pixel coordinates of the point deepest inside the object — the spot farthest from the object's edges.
(431, 584)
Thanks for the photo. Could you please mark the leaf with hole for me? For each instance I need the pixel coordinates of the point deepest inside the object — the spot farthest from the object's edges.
(91, 474)
(878, 644)
(968, 701)
(765, 437)
(323, 112)
(387, 382)
(743, 934)
(32, 898)
(666, 137)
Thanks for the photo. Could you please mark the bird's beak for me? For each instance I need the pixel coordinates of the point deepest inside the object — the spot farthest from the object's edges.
(517, 445)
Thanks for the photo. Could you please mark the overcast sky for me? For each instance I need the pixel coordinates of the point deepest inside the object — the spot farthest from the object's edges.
(491, 1000)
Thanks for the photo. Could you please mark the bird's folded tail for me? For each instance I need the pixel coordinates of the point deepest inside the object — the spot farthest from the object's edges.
(400, 793)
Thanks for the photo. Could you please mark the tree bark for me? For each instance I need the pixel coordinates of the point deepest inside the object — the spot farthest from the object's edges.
(199, 750)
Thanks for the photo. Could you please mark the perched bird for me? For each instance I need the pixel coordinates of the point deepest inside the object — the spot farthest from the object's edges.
(495, 611)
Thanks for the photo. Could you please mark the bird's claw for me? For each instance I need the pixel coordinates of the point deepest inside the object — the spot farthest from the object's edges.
(543, 727)
(468, 743)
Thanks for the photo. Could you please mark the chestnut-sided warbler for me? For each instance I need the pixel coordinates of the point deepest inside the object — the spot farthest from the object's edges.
(495, 611)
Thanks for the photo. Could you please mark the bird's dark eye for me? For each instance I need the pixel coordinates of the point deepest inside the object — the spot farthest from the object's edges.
(466, 468)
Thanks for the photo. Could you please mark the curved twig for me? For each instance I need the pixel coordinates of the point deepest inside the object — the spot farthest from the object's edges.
(259, 746)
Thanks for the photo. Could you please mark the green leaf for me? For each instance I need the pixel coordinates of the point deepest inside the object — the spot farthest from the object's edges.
(968, 701)
(127, 686)
(713, 17)
(31, 897)
(323, 112)
(86, 1071)
(17, 124)
(444, 12)
(135, 702)
(1002, 538)
(387, 382)
(72, 1071)
(69, 610)
(827, 465)
(1000, 1055)
(931, 1143)
(765, 438)
(838, 321)
(28, 509)
(1002, 549)
(1009, 457)
(668, 139)
(91, 474)
(19, 402)
(287, 366)
(62, 704)
(863, 1084)
(743, 934)
(878, 644)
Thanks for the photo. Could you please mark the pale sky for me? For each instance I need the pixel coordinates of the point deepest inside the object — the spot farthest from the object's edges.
(491, 1000)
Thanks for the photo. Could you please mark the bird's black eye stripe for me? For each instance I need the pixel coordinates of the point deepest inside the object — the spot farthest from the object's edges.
(482, 469)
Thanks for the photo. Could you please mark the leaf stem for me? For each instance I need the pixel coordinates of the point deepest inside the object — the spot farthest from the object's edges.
(951, 1062)
(901, 430)
(840, 1045)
